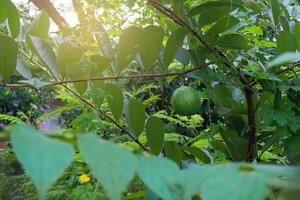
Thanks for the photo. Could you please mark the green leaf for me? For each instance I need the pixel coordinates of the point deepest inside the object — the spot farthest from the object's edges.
(275, 11)
(234, 41)
(113, 166)
(175, 41)
(8, 56)
(35, 82)
(46, 54)
(292, 149)
(297, 35)
(3, 10)
(135, 116)
(67, 53)
(40, 25)
(13, 19)
(155, 134)
(79, 70)
(151, 43)
(285, 58)
(219, 27)
(128, 47)
(162, 176)
(115, 100)
(228, 179)
(101, 63)
(104, 43)
(210, 5)
(198, 153)
(212, 11)
(183, 56)
(23, 69)
(236, 146)
(173, 151)
(286, 42)
(43, 159)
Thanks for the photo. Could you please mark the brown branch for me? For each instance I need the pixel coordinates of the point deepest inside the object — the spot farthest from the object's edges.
(289, 68)
(106, 116)
(251, 125)
(177, 19)
(283, 71)
(52, 12)
(135, 76)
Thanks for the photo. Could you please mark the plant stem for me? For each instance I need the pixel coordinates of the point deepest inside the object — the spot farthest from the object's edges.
(251, 125)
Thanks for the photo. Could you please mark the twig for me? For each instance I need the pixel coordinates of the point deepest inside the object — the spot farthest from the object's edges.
(105, 116)
(135, 76)
(251, 125)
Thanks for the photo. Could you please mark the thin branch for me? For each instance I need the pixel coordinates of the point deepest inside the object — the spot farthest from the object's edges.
(177, 19)
(289, 68)
(135, 76)
(106, 116)
(251, 125)
(53, 13)
(283, 71)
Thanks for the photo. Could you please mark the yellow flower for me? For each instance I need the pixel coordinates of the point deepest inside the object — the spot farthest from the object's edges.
(84, 178)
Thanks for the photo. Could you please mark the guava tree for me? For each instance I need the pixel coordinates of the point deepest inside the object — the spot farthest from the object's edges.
(196, 82)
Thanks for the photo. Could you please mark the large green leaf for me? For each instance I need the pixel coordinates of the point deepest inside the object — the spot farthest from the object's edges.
(198, 153)
(23, 69)
(43, 159)
(104, 43)
(297, 35)
(214, 10)
(46, 54)
(232, 181)
(40, 25)
(275, 11)
(222, 25)
(151, 43)
(79, 70)
(175, 41)
(155, 134)
(128, 47)
(115, 100)
(285, 58)
(236, 146)
(162, 176)
(173, 151)
(8, 56)
(3, 10)
(232, 41)
(215, 4)
(67, 53)
(292, 148)
(113, 166)
(135, 116)
(286, 42)
(13, 19)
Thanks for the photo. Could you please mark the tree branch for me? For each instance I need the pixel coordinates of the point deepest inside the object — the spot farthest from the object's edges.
(53, 13)
(251, 125)
(135, 76)
(106, 116)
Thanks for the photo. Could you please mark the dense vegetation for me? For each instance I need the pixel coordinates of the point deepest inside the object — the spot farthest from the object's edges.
(151, 99)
